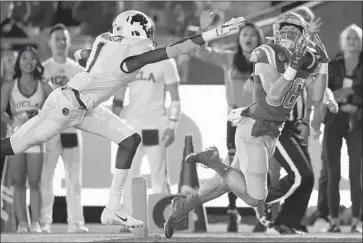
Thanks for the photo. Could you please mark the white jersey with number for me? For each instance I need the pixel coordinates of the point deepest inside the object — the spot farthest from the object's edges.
(103, 75)
(147, 94)
(22, 106)
(59, 74)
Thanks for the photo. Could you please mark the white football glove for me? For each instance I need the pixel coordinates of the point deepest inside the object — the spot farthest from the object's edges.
(229, 26)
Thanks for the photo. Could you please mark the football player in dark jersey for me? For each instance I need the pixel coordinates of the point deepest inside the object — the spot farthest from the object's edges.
(282, 71)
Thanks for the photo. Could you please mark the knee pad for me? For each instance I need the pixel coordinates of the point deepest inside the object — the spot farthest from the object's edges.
(34, 184)
(126, 151)
(131, 142)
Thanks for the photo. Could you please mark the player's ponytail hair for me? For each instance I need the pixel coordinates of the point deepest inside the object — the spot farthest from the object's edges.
(39, 69)
(239, 60)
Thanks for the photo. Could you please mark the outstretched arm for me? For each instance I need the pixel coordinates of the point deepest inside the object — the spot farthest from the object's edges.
(184, 46)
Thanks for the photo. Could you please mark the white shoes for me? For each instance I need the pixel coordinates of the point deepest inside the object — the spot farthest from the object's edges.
(77, 228)
(22, 228)
(45, 228)
(321, 226)
(35, 228)
(120, 217)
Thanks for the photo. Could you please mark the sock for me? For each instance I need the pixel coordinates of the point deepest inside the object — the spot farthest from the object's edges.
(221, 169)
(232, 200)
(191, 202)
(116, 189)
(6, 148)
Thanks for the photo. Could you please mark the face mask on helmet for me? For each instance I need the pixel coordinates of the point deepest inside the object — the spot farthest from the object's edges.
(287, 31)
(288, 37)
(134, 23)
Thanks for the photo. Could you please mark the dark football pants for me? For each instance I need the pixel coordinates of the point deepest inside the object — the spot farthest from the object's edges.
(323, 208)
(335, 130)
(296, 187)
(231, 146)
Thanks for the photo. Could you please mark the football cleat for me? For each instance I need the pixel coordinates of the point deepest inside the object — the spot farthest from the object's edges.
(206, 157)
(120, 217)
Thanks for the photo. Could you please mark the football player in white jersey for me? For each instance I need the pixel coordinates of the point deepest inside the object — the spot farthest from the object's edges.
(114, 60)
(59, 69)
(146, 113)
(26, 95)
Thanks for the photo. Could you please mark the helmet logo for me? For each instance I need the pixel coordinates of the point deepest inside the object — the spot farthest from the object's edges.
(281, 57)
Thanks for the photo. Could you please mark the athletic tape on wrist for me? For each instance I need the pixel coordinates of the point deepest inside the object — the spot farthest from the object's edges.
(210, 34)
(323, 68)
(174, 113)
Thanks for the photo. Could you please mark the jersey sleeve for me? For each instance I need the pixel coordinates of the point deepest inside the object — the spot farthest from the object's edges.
(264, 54)
(139, 45)
(171, 74)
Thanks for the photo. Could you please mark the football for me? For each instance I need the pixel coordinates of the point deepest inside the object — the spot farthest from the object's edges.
(310, 60)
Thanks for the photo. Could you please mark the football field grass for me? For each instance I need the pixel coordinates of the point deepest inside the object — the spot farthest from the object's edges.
(99, 233)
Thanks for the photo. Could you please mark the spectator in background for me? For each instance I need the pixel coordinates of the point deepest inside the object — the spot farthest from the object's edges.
(8, 58)
(95, 17)
(26, 94)
(345, 80)
(146, 113)
(237, 69)
(7, 64)
(9, 26)
(59, 69)
(319, 112)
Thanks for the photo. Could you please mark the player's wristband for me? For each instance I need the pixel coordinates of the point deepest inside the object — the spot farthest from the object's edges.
(174, 110)
(290, 73)
(174, 113)
(323, 68)
(210, 34)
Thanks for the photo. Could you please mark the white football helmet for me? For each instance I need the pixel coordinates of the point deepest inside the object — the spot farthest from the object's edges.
(133, 23)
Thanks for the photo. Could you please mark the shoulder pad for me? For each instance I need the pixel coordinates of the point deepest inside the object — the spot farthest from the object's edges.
(106, 36)
(140, 45)
(265, 54)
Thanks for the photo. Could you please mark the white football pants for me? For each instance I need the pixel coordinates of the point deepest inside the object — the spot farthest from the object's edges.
(60, 111)
(72, 159)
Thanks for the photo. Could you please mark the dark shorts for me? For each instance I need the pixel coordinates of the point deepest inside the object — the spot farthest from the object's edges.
(69, 140)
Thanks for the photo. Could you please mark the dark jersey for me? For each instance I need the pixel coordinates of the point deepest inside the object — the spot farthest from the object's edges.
(278, 57)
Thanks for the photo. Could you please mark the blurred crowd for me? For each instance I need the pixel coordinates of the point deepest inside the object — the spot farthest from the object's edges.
(21, 19)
